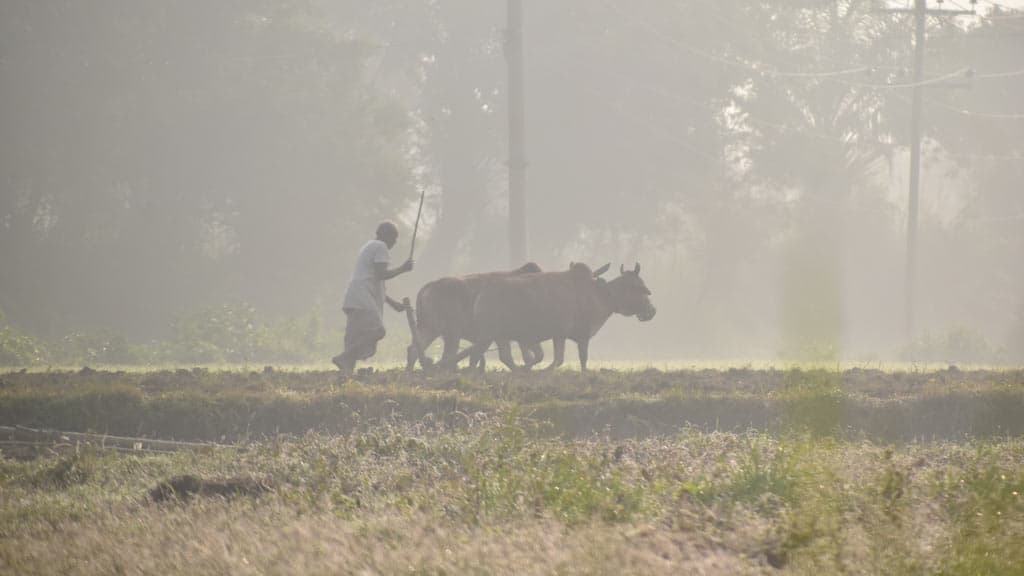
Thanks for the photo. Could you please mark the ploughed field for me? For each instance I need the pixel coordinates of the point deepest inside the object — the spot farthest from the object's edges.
(708, 471)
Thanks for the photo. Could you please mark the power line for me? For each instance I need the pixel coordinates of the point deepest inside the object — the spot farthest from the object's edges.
(952, 108)
(965, 11)
(962, 72)
(829, 75)
(990, 75)
(974, 76)
(994, 157)
(1006, 12)
(972, 113)
(710, 107)
(754, 120)
(752, 67)
(732, 24)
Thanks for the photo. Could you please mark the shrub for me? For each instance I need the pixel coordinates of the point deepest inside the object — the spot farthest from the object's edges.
(17, 349)
(103, 346)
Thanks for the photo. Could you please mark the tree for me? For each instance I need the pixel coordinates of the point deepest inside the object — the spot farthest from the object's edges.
(160, 159)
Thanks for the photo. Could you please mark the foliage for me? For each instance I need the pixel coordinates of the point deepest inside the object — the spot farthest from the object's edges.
(226, 333)
(16, 348)
(247, 155)
(233, 150)
(501, 496)
(984, 500)
(98, 347)
(510, 475)
(201, 404)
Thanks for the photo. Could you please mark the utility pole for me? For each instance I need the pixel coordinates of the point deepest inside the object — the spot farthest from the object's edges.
(920, 22)
(516, 136)
(921, 13)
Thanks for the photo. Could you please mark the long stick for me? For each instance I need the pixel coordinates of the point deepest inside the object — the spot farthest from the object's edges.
(410, 315)
(412, 247)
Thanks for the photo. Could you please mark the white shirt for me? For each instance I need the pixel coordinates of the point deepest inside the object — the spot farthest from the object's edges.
(365, 290)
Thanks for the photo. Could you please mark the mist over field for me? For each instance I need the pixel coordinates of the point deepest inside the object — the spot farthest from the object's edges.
(165, 165)
(784, 241)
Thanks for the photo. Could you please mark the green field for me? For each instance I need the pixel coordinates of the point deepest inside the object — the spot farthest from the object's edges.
(719, 471)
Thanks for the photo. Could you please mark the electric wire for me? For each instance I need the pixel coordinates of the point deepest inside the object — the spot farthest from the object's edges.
(657, 32)
(756, 121)
(831, 75)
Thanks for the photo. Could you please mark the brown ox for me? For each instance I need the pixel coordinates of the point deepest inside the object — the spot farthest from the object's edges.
(557, 306)
(444, 308)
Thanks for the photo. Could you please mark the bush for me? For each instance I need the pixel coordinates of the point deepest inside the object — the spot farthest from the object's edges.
(102, 346)
(17, 349)
(234, 333)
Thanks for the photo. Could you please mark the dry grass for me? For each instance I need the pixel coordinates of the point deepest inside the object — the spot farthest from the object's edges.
(501, 492)
(497, 499)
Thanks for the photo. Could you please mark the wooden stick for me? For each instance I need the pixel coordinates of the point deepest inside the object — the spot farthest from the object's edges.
(410, 316)
(415, 228)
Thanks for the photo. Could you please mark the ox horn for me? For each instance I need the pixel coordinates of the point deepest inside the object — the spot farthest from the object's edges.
(602, 270)
(636, 269)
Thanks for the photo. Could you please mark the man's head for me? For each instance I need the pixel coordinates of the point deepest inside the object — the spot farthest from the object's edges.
(387, 233)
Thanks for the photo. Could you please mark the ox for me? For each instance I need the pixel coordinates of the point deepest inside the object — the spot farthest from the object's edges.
(572, 305)
(444, 308)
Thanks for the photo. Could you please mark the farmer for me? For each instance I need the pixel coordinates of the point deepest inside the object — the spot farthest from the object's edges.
(365, 297)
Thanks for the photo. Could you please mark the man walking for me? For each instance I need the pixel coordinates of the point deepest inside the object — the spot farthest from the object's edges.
(365, 297)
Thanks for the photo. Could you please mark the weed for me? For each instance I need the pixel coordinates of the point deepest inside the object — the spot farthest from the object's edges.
(394, 472)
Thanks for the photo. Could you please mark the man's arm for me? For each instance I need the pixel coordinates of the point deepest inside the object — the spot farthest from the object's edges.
(381, 269)
(395, 304)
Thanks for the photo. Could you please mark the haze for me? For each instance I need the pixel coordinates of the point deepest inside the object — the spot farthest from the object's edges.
(162, 162)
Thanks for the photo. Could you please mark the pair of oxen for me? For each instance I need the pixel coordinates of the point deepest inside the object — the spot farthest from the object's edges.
(525, 305)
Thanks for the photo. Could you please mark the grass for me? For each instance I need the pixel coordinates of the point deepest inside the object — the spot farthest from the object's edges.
(604, 473)
(200, 404)
(396, 361)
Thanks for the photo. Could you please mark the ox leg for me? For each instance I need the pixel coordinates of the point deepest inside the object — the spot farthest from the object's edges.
(584, 349)
(451, 350)
(412, 355)
(423, 335)
(524, 353)
(414, 352)
(559, 353)
(476, 350)
(505, 353)
(480, 353)
(538, 354)
(533, 354)
(472, 350)
(477, 360)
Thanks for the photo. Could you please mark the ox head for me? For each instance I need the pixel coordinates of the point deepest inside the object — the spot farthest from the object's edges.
(629, 295)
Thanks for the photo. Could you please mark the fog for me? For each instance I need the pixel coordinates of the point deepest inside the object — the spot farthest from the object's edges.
(162, 160)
